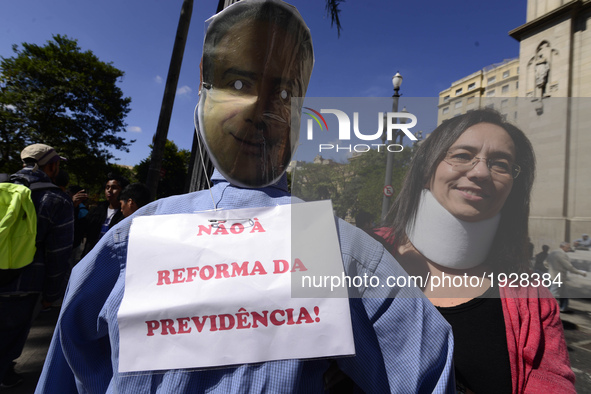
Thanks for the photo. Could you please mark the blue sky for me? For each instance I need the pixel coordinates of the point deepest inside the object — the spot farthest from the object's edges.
(431, 43)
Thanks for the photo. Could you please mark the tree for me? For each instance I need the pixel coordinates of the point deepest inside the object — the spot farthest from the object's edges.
(353, 187)
(174, 70)
(58, 95)
(175, 164)
(332, 10)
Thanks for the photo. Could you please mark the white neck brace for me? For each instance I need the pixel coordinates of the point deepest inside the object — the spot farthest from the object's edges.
(447, 240)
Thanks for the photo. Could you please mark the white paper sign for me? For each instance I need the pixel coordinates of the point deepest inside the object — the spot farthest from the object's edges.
(213, 288)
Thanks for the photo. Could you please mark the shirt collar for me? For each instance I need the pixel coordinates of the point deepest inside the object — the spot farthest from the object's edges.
(281, 184)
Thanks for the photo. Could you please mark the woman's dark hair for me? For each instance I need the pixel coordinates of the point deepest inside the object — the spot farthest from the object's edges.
(509, 250)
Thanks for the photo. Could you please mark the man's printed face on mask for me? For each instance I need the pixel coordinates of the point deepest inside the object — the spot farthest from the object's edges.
(246, 114)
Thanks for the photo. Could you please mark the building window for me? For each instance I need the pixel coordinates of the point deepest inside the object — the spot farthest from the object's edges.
(458, 104)
(506, 74)
(446, 98)
(458, 91)
(504, 103)
(505, 89)
(517, 85)
(492, 80)
(490, 93)
(471, 86)
(470, 100)
(445, 110)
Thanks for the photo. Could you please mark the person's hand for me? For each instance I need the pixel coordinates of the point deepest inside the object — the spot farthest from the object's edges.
(79, 197)
(584, 274)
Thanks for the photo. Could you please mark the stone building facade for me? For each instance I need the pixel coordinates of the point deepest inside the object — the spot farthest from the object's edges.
(555, 112)
(550, 100)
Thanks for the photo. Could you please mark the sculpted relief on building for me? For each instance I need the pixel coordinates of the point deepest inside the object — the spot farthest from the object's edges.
(538, 77)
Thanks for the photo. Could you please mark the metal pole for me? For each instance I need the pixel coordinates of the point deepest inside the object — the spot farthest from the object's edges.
(389, 159)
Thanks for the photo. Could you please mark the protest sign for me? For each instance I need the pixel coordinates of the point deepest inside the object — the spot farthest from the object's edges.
(213, 288)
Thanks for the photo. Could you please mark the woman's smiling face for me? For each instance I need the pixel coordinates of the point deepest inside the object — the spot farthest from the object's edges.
(477, 193)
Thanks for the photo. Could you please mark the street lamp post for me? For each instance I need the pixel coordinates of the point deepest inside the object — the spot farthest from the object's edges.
(418, 136)
(396, 82)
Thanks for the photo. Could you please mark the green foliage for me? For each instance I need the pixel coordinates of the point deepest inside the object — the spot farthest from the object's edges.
(333, 11)
(173, 173)
(352, 187)
(60, 96)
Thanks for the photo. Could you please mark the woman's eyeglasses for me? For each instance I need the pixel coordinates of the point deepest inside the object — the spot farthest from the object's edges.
(463, 161)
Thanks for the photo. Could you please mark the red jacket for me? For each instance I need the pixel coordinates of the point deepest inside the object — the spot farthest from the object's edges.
(535, 338)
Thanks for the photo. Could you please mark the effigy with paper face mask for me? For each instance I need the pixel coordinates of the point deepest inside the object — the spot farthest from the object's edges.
(257, 56)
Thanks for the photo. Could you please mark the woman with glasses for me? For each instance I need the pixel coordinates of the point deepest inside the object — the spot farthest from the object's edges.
(458, 227)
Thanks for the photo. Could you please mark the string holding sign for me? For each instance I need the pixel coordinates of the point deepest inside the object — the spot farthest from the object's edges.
(217, 222)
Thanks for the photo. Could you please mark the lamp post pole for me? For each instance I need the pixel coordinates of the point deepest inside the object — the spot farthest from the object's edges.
(396, 82)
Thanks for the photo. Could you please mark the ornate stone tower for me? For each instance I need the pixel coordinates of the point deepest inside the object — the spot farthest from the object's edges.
(555, 112)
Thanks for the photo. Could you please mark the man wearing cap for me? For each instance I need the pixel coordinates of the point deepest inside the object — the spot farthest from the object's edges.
(44, 280)
(257, 56)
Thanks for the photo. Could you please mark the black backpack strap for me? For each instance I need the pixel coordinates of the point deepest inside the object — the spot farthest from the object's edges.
(19, 179)
(42, 185)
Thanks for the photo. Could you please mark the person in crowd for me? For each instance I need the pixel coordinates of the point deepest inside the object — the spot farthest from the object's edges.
(106, 214)
(559, 264)
(79, 198)
(133, 197)
(583, 243)
(530, 249)
(257, 54)
(62, 180)
(463, 213)
(44, 280)
(364, 221)
(539, 266)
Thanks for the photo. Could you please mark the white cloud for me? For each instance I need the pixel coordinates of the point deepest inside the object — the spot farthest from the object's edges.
(375, 91)
(134, 129)
(184, 91)
(158, 79)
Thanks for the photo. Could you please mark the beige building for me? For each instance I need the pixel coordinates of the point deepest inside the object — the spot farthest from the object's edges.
(555, 112)
(549, 92)
(549, 96)
(495, 85)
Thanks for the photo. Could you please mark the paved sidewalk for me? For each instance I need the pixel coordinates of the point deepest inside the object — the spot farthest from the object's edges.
(30, 363)
(577, 330)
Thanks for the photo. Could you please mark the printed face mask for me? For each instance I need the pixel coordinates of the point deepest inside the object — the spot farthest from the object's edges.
(255, 61)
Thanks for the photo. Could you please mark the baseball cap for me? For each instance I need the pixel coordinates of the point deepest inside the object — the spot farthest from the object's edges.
(41, 153)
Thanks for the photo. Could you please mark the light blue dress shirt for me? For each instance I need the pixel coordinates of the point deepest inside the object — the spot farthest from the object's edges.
(403, 345)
